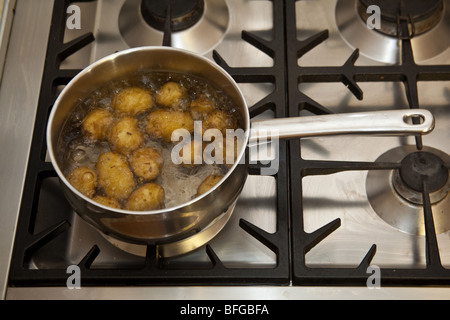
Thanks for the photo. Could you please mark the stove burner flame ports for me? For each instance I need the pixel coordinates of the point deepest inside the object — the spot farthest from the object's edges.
(419, 15)
(397, 196)
(421, 167)
(417, 169)
(184, 13)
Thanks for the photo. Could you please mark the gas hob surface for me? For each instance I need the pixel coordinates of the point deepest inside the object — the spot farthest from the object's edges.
(335, 208)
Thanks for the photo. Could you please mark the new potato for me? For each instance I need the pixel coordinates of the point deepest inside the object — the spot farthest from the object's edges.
(148, 197)
(171, 95)
(115, 176)
(84, 180)
(132, 101)
(162, 123)
(146, 163)
(208, 183)
(126, 136)
(97, 124)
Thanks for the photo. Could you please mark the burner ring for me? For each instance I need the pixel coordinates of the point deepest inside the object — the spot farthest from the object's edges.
(420, 166)
(185, 13)
(400, 206)
(180, 247)
(416, 197)
(421, 16)
(383, 48)
(208, 32)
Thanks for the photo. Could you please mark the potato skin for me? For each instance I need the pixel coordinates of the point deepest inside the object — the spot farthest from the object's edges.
(147, 197)
(201, 107)
(126, 136)
(115, 176)
(171, 95)
(208, 183)
(84, 180)
(132, 101)
(220, 120)
(97, 124)
(146, 163)
(161, 123)
(108, 202)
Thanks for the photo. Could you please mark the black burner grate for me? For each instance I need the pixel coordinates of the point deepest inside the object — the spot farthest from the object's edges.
(30, 239)
(290, 242)
(407, 72)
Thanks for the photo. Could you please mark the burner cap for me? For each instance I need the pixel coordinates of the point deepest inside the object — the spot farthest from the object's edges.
(420, 15)
(185, 13)
(423, 165)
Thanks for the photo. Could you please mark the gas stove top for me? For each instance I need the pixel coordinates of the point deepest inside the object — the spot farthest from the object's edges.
(357, 208)
(338, 210)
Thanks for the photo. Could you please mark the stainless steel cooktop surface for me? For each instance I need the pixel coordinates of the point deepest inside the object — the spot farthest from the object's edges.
(373, 206)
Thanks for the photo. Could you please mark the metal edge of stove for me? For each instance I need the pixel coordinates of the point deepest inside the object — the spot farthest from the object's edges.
(7, 14)
(259, 293)
(18, 108)
(19, 95)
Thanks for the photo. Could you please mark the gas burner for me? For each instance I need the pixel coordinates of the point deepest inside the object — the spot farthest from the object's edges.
(142, 23)
(421, 16)
(184, 13)
(180, 247)
(428, 28)
(397, 196)
(424, 167)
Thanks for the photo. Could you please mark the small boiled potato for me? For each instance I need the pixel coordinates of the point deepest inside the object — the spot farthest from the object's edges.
(171, 95)
(219, 120)
(108, 202)
(84, 180)
(148, 197)
(126, 136)
(97, 124)
(208, 184)
(132, 101)
(146, 163)
(201, 107)
(162, 123)
(115, 176)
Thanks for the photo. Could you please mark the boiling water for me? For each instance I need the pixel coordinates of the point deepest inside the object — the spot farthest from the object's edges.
(180, 183)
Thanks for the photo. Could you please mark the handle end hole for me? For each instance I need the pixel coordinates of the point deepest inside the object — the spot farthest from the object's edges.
(414, 119)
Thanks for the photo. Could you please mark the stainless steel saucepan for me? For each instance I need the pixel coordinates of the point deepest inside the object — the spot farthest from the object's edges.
(173, 224)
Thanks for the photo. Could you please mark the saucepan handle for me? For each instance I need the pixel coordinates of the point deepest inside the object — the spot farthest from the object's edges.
(397, 123)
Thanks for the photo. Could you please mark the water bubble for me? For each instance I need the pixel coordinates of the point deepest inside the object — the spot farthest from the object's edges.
(78, 155)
